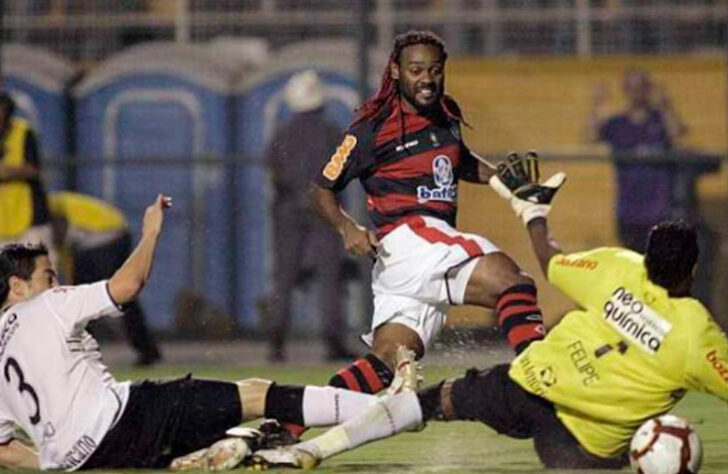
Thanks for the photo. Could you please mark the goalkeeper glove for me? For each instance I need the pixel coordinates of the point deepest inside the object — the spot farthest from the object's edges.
(516, 181)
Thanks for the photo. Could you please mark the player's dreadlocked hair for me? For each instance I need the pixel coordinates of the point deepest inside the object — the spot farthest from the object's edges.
(388, 91)
(18, 260)
(672, 250)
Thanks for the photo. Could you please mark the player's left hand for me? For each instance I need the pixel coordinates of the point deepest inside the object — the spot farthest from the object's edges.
(154, 215)
(516, 181)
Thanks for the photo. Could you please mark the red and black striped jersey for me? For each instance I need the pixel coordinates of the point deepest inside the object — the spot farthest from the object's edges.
(403, 174)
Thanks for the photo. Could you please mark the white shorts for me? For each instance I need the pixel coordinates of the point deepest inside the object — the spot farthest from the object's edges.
(422, 267)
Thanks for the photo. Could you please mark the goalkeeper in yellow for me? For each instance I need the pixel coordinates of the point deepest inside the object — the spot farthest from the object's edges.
(637, 344)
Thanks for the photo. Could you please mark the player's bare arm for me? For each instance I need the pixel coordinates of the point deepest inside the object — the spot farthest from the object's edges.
(676, 128)
(357, 239)
(16, 455)
(598, 113)
(517, 181)
(24, 172)
(129, 280)
(543, 244)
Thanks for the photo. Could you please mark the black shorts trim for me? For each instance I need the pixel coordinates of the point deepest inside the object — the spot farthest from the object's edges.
(492, 397)
(166, 419)
(457, 266)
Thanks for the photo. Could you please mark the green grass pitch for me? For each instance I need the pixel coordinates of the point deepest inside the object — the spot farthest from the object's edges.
(451, 447)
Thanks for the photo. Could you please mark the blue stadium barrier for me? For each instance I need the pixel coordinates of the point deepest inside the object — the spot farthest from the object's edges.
(166, 102)
(38, 81)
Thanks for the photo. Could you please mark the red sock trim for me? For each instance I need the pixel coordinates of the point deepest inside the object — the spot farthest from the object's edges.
(504, 300)
(373, 380)
(349, 379)
(294, 429)
(525, 332)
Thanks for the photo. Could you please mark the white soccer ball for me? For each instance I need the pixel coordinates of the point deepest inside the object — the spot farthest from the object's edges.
(666, 445)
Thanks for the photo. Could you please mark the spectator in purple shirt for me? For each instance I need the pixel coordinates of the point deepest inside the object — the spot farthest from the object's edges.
(647, 127)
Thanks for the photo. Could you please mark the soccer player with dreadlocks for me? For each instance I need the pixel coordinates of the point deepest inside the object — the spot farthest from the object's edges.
(404, 145)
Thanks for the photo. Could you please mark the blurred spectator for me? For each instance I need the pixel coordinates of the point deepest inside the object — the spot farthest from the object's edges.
(95, 241)
(647, 127)
(24, 215)
(302, 244)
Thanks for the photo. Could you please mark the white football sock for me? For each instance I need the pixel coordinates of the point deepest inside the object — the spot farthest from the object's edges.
(326, 406)
(385, 418)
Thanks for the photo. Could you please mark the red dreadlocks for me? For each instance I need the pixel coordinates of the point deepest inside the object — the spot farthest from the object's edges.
(388, 91)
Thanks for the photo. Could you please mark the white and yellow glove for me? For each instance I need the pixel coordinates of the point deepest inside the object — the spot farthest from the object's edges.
(516, 181)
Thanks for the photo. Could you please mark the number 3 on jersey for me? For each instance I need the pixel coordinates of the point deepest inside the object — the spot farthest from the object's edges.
(23, 386)
(337, 161)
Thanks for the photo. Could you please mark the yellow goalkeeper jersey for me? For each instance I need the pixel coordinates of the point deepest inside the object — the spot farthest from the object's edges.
(630, 353)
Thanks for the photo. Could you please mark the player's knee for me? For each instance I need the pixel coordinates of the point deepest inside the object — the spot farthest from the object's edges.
(389, 337)
(516, 279)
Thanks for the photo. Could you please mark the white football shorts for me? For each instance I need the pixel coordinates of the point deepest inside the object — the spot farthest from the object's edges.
(422, 267)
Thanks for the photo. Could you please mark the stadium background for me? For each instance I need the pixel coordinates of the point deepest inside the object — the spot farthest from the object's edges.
(133, 97)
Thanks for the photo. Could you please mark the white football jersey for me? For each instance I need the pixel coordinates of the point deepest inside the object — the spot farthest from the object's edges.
(52, 380)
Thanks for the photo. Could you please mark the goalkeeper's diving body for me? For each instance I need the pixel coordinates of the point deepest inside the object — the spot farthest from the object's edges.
(637, 344)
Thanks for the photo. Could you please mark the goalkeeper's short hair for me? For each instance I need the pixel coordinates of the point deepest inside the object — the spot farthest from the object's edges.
(672, 251)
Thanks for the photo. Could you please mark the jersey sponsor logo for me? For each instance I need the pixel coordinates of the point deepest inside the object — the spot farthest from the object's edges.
(79, 452)
(717, 365)
(445, 189)
(584, 263)
(533, 379)
(7, 332)
(636, 321)
(336, 163)
(580, 359)
(406, 146)
(547, 376)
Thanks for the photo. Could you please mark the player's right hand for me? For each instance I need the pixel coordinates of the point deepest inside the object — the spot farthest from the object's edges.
(154, 215)
(359, 240)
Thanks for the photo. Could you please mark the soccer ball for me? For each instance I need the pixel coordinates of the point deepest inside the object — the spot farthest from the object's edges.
(666, 445)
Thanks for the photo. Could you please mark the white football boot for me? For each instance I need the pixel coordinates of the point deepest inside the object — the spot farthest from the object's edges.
(286, 456)
(224, 455)
(407, 377)
(407, 372)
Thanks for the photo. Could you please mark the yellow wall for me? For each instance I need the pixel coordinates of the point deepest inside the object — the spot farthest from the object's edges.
(542, 103)
(537, 103)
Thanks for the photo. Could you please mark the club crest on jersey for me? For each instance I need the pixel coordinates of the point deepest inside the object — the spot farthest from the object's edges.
(639, 323)
(445, 189)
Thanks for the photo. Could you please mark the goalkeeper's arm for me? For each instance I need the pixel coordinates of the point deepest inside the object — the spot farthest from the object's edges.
(517, 181)
(544, 246)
